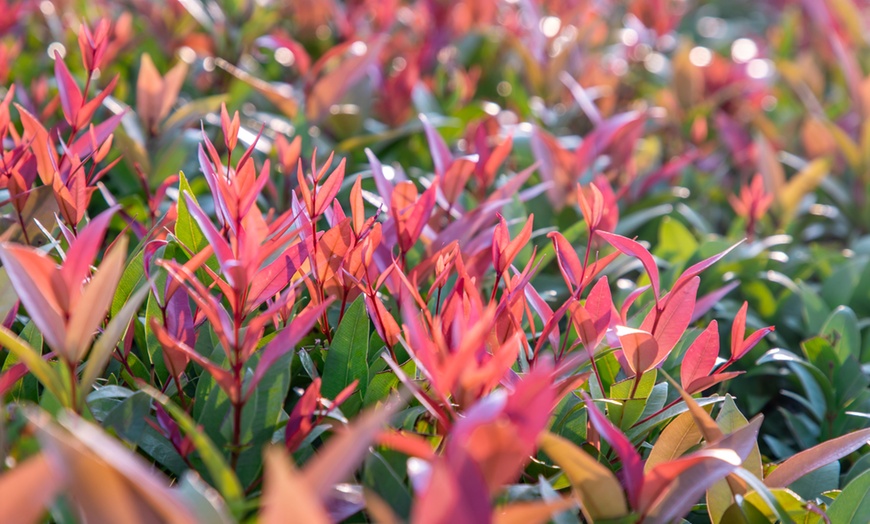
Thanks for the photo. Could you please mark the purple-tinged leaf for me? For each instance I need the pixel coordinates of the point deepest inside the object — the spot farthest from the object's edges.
(632, 464)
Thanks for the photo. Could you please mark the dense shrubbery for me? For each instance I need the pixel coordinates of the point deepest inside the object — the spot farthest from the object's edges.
(434, 261)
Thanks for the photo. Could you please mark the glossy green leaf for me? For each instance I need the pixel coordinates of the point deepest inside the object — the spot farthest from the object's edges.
(347, 358)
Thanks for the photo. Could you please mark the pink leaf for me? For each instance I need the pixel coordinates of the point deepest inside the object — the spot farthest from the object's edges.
(738, 330)
(633, 248)
(81, 254)
(629, 300)
(441, 156)
(223, 377)
(705, 303)
(701, 356)
(599, 304)
(669, 324)
(632, 464)
(32, 275)
(700, 384)
(696, 269)
(569, 263)
(640, 348)
(456, 493)
(70, 94)
(327, 191)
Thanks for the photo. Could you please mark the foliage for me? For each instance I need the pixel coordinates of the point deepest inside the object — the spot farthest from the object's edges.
(433, 262)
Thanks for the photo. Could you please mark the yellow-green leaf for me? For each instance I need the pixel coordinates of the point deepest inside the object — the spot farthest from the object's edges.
(802, 183)
(678, 437)
(600, 493)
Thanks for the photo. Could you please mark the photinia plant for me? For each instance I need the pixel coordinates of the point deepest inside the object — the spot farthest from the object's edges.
(387, 262)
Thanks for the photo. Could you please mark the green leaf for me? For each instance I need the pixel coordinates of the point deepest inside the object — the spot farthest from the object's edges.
(814, 308)
(132, 277)
(841, 329)
(201, 500)
(720, 496)
(186, 229)
(668, 414)
(630, 407)
(819, 481)
(731, 419)
(34, 362)
(105, 345)
(263, 414)
(347, 358)
(765, 494)
(152, 345)
(28, 387)
(600, 493)
(193, 111)
(127, 418)
(852, 505)
(386, 478)
(676, 242)
(223, 476)
(678, 437)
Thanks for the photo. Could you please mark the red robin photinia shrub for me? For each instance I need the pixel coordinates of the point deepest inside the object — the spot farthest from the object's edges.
(385, 262)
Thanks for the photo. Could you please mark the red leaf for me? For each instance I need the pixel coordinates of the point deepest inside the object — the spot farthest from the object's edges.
(753, 339)
(629, 300)
(739, 346)
(41, 144)
(438, 149)
(632, 465)
(222, 250)
(83, 250)
(569, 263)
(672, 488)
(669, 324)
(34, 277)
(407, 443)
(456, 493)
(299, 424)
(599, 304)
(275, 276)
(455, 178)
(738, 330)
(701, 356)
(410, 213)
(223, 377)
(506, 250)
(633, 248)
(696, 269)
(356, 206)
(640, 348)
(591, 205)
(328, 189)
(705, 303)
(703, 383)
(809, 460)
(70, 94)
(90, 107)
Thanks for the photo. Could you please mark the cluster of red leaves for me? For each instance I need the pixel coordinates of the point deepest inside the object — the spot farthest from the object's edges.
(442, 282)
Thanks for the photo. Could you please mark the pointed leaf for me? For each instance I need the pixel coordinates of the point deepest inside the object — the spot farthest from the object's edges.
(632, 465)
(28, 489)
(701, 356)
(599, 491)
(811, 459)
(287, 498)
(633, 248)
